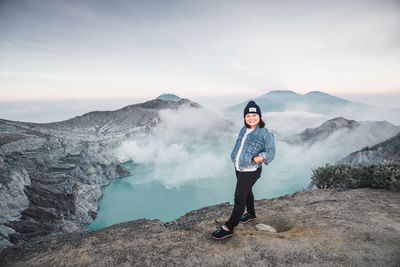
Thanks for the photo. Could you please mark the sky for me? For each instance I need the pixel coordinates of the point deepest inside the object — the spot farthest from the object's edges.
(53, 49)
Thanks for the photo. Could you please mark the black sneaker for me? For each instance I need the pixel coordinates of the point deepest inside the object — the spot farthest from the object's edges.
(247, 218)
(221, 233)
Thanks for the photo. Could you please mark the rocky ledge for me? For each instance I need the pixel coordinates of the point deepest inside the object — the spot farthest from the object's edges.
(359, 227)
(51, 173)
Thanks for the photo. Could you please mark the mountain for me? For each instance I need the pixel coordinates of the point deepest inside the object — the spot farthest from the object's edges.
(51, 173)
(317, 97)
(169, 97)
(312, 135)
(316, 102)
(265, 104)
(282, 96)
(279, 100)
(386, 151)
(364, 132)
(326, 227)
(143, 115)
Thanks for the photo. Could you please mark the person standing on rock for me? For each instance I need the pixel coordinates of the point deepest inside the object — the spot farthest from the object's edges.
(254, 146)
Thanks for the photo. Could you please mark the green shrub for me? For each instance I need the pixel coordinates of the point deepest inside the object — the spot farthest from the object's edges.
(344, 176)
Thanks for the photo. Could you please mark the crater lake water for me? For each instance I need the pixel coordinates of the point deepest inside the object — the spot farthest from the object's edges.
(185, 165)
(147, 194)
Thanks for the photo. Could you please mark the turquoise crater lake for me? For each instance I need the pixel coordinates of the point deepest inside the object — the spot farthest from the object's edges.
(148, 194)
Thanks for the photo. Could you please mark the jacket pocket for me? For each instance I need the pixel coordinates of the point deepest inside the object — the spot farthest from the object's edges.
(254, 147)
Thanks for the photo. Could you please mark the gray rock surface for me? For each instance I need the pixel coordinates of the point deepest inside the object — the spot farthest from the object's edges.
(346, 133)
(51, 173)
(13, 198)
(312, 135)
(386, 151)
(4, 233)
(359, 227)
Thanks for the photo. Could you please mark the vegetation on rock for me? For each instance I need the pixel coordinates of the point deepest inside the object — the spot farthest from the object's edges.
(345, 176)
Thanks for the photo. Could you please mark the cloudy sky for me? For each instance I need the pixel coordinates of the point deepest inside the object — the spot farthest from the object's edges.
(53, 49)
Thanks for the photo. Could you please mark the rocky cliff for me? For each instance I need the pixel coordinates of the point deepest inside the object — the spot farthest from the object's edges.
(342, 131)
(51, 173)
(359, 227)
(386, 151)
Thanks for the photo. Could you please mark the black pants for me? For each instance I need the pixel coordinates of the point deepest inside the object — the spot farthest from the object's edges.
(244, 197)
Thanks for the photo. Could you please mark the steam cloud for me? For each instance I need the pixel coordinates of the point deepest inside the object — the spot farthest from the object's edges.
(188, 144)
(193, 144)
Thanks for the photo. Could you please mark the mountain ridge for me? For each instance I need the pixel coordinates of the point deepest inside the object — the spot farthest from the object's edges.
(349, 135)
(51, 173)
(314, 102)
(386, 151)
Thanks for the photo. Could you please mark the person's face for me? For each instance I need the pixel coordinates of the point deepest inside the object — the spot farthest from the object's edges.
(252, 119)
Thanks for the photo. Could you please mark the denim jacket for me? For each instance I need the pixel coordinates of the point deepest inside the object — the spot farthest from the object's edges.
(259, 142)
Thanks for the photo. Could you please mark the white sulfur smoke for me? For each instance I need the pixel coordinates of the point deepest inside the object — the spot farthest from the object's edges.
(191, 144)
(188, 144)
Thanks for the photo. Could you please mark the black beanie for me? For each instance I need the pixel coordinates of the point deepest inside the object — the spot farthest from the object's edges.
(252, 107)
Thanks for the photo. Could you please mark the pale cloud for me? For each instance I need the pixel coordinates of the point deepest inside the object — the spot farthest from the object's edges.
(288, 123)
(183, 136)
(130, 48)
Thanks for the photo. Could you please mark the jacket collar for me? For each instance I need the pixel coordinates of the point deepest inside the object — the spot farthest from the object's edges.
(255, 131)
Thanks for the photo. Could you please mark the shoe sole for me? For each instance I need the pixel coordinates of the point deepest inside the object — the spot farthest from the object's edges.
(216, 238)
(250, 220)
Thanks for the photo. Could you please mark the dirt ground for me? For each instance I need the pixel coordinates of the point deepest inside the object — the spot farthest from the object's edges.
(359, 227)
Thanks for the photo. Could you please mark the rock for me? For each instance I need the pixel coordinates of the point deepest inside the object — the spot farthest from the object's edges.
(5, 231)
(13, 199)
(359, 227)
(4, 236)
(4, 243)
(386, 151)
(51, 173)
(264, 227)
(86, 197)
(344, 132)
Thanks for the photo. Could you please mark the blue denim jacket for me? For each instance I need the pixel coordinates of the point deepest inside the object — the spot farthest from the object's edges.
(259, 142)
